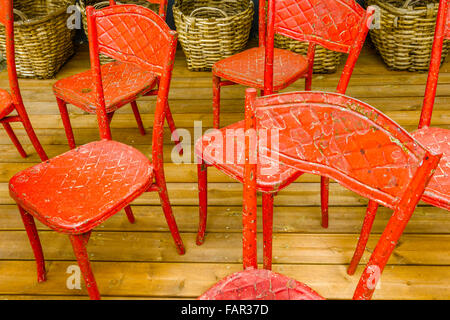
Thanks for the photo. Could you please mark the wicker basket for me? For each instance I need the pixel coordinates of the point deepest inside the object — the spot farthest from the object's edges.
(325, 61)
(100, 4)
(43, 43)
(211, 30)
(405, 36)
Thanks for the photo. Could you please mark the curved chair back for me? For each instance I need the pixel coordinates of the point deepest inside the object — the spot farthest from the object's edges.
(335, 136)
(133, 34)
(442, 32)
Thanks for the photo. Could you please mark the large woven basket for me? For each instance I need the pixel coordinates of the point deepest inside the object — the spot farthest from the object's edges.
(100, 4)
(43, 42)
(405, 35)
(211, 30)
(325, 61)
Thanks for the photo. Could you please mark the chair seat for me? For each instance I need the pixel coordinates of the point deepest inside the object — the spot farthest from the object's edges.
(122, 83)
(247, 68)
(6, 103)
(437, 140)
(78, 190)
(272, 175)
(259, 284)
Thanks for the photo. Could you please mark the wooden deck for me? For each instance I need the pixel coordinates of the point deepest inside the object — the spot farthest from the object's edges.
(140, 261)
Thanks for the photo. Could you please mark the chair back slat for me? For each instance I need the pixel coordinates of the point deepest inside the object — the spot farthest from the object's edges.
(442, 32)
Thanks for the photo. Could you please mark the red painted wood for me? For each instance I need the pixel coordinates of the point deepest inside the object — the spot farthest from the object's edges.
(364, 237)
(267, 211)
(78, 190)
(249, 207)
(331, 135)
(33, 236)
(270, 70)
(437, 140)
(254, 284)
(13, 100)
(135, 73)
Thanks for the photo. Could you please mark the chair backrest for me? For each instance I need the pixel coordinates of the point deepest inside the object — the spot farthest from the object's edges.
(7, 20)
(162, 6)
(442, 32)
(338, 25)
(133, 34)
(351, 142)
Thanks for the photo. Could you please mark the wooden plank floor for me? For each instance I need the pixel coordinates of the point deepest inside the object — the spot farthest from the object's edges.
(140, 261)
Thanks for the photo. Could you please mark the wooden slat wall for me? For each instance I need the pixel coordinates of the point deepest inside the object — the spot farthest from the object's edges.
(139, 261)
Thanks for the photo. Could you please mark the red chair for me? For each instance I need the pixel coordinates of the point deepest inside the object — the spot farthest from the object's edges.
(78, 190)
(122, 83)
(339, 137)
(300, 20)
(436, 139)
(13, 101)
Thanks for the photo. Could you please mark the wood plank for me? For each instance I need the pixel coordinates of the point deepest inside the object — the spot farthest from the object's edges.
(191, 280)
(125, 121)
(297, 194)
(129, 136)
(428, 220)
(220, 194)
(186, 106)
(225, 248)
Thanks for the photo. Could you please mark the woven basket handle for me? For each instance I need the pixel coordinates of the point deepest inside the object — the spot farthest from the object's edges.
(20, 14)
(194, 12)
(103, 4)
(406, 4)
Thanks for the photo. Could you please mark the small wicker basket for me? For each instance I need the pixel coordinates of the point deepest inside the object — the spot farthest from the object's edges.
(43, 42)
(211, 30)
(405, 35)
(100, 4)
(325, 61)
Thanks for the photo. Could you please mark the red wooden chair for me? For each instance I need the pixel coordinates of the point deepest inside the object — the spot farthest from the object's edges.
(339, 137)
(122, 83)
(78, 190)
(436, 139)
(13, 101)
(300, 20)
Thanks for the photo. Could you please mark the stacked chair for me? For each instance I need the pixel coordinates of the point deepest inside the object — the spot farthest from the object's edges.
(12, 101)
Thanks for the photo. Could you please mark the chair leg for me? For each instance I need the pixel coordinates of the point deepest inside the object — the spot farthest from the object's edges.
(33, 236)
(216, 102)
(173, 130)
(202, 170)
(267, 209)
(137, 115)
(364, 237)
(129, 213)
(167, 208)
(324, 194)
(79, 248)
(62, 105)
(14, 139)
(33, 138)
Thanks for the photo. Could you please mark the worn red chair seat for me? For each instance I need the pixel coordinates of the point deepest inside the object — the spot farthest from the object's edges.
(122, 84)
(80, 189)
(247, 68)
(266, 180)
(6, 103)
(259, 284)
(437, 140)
